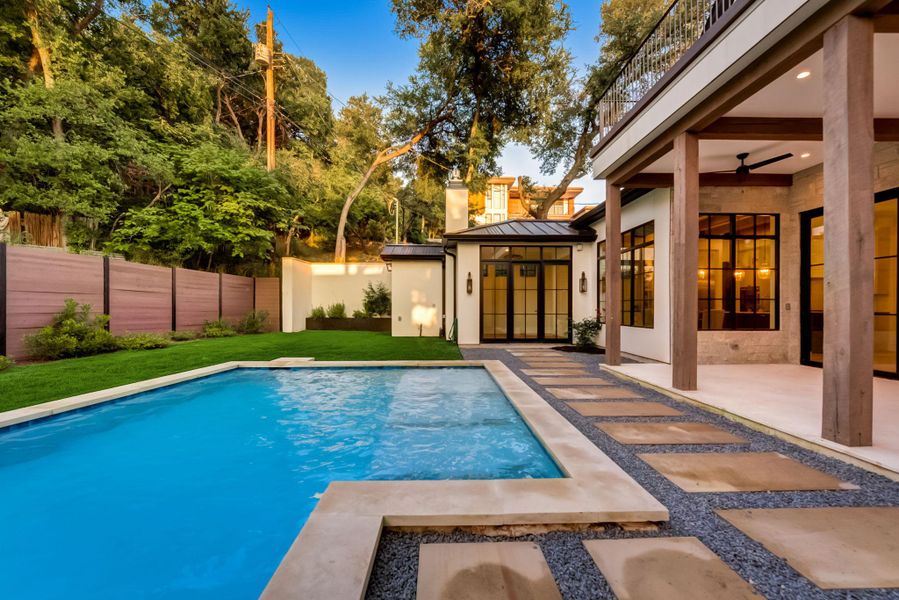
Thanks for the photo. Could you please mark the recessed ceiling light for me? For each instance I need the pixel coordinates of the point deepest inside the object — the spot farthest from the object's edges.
(803, 74)
(805, 155)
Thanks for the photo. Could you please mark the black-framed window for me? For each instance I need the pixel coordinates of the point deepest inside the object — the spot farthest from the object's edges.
(637, 276)
(738, 271)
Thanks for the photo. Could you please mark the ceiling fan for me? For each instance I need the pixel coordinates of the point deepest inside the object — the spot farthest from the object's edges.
(745, 169)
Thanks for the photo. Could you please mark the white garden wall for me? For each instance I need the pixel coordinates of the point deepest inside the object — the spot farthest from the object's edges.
(308, 285)
(416, 297)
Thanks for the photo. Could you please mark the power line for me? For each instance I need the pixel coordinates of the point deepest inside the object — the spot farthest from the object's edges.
(248, 93)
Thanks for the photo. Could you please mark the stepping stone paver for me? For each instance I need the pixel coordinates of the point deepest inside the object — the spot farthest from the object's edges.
(572, 381)
(551, 364)
(608, 391)
(485, 571)
(679, 568)
(556, 372)
(624, 409)
(852, 547)
(741, 472)
(669, 433)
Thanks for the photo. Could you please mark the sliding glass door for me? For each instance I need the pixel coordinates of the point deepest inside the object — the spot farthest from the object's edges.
(886, 285)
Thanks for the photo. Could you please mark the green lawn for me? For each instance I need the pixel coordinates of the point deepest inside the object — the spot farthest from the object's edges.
(32, 384)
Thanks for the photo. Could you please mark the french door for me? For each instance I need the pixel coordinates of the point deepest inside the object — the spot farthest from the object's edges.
(525, 293)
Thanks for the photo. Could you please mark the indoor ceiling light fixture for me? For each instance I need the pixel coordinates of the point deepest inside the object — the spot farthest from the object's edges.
(805, 155)
(803, 74)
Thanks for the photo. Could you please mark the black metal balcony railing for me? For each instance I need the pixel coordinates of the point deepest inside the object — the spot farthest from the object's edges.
(682, 25)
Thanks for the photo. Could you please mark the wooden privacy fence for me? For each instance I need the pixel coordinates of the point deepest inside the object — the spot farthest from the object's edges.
(34, 283)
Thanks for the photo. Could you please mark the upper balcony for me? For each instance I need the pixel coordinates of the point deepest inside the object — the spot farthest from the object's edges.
(685, 29)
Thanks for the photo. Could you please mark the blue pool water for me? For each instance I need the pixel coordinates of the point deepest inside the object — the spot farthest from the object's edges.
(198, 490)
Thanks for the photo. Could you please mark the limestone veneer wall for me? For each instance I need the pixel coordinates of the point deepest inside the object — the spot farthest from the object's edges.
(716, 347)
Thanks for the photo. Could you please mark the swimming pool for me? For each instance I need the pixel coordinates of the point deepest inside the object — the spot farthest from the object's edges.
(197, 490)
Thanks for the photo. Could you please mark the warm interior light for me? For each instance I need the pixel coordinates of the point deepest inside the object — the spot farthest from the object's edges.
(701, 274)
(805, 155)
(803, 74)
(738, 275)
(764, 273)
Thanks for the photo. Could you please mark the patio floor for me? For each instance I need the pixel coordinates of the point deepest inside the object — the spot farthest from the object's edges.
(783, 397)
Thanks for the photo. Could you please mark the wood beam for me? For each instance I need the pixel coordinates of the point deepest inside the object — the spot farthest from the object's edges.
(786, 129)
(684, 259)
(613, 274)
(666, 180)
(848, 232)
(886, 24)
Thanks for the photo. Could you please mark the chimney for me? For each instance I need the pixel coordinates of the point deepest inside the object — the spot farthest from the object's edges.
(456, 204)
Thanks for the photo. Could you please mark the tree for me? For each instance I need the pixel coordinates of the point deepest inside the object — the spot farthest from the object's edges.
(487, 70)
(223, 208)
(566, 134)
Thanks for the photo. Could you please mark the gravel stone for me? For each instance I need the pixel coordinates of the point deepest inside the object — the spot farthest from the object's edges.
(394, 575)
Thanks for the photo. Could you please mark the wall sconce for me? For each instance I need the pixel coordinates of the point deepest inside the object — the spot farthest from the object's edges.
(583, 283)
(468, 283)
(389, 267)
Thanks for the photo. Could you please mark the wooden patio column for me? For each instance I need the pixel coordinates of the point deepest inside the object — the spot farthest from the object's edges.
(684, 262)
(848, 231)
(613, 274)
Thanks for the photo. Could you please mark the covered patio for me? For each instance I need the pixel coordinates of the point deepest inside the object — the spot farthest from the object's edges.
(784, 398)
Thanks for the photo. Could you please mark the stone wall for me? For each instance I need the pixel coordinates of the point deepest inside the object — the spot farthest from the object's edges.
(717, 347)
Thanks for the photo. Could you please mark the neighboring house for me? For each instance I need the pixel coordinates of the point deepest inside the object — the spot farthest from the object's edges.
(502, 200)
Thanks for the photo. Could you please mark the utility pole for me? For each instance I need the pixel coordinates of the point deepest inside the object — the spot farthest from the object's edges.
(270, 92)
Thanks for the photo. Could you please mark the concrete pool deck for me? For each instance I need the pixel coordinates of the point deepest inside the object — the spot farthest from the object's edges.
(333, 554)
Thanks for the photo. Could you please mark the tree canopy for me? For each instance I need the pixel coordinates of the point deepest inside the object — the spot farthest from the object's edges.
(140, 123)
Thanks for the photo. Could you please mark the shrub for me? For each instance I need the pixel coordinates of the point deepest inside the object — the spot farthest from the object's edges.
(376, 300)
(143, 341)
(318, 313)
(73, 332)
(253, 322)
(337, 311)
(585, 332)
(360, 314)
(5, 362)
(183, 336)
(218, 329)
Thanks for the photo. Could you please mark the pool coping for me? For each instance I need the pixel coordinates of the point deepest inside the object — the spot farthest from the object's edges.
(332, 555)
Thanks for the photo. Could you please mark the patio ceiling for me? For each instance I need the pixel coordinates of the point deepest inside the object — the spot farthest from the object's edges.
(788, 97)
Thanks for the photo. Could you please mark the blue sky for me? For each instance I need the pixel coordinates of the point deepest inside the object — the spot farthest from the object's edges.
(355, 43)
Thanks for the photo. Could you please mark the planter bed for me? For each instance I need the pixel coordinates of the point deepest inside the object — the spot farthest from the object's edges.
(379, 324)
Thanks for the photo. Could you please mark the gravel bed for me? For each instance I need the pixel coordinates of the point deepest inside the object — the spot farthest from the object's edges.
(396, 564)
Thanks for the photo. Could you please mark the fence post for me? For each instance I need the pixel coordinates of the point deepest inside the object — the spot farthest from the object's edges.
(174, 299)
(254, 293)
(220, 296)
(106, 291)
(3, 299)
